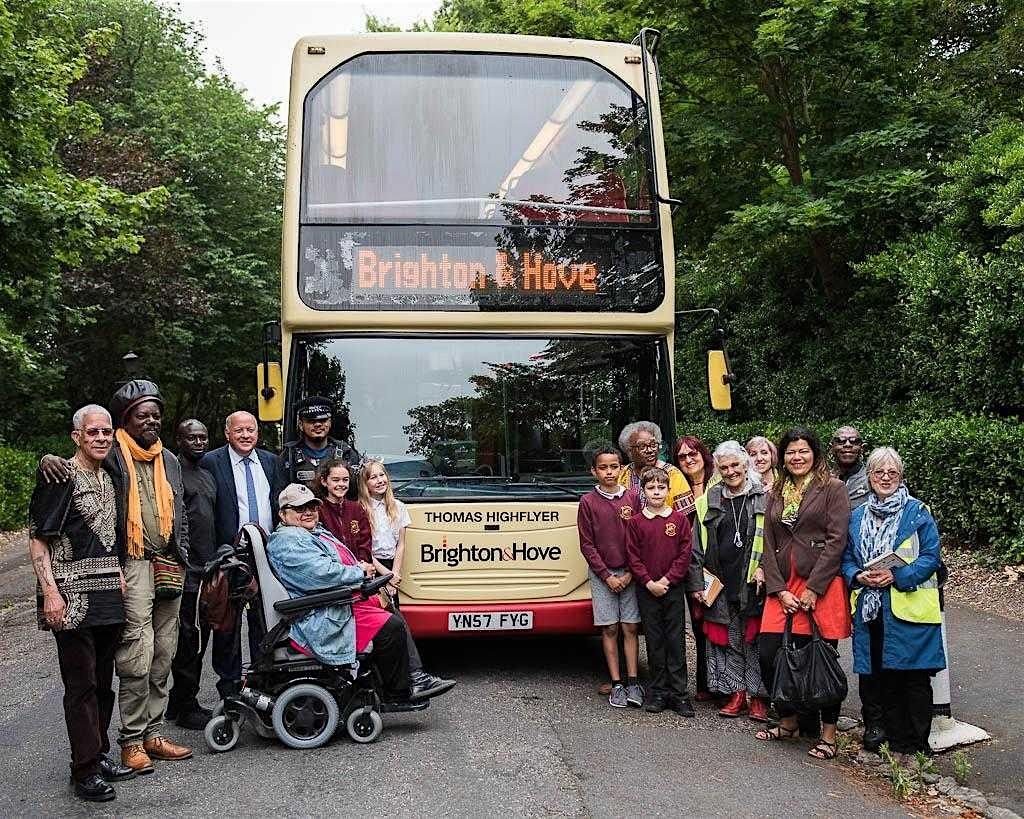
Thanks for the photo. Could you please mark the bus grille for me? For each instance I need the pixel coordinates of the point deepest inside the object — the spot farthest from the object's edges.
(525, 583)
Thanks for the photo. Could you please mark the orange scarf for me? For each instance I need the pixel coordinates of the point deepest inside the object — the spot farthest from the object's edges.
(132, 452)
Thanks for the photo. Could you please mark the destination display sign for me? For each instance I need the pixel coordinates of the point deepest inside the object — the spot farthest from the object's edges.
(504, 269)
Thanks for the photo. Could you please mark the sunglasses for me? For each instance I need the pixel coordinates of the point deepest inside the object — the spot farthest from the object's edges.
(839, 439)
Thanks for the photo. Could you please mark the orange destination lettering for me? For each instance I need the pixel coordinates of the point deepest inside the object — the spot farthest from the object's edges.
(426, 273)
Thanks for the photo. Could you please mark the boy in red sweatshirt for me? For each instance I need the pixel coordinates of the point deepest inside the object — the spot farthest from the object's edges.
(601, 521)
(659, 545)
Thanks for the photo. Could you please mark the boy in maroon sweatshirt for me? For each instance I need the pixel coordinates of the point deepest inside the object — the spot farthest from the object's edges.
(601, 521)
(659, 545)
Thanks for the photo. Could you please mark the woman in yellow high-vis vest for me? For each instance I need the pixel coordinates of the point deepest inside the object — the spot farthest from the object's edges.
(891, 565)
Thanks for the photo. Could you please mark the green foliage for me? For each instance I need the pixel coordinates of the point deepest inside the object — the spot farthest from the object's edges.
(968, 469)
(51, 220)
(961, 767)
(900, 778)
(140, 202)
(17, 478)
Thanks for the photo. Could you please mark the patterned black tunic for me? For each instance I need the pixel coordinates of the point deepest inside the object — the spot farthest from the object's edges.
(78, 519)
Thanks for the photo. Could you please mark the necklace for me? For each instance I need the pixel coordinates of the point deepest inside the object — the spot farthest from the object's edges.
(736, 539)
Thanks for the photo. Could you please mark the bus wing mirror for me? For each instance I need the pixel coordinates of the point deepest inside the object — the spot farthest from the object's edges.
(270, 391)
(719, 381)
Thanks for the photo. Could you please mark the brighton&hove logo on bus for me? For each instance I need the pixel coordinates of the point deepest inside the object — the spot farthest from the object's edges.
(455, 555)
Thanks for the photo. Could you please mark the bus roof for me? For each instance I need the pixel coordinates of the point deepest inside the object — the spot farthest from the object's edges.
(309, 66)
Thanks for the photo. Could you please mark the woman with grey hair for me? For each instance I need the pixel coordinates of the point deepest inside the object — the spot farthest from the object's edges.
(892, 566)
(728, 544)
(641, 443)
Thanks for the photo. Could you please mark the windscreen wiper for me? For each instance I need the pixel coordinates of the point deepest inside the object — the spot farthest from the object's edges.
(505, 480)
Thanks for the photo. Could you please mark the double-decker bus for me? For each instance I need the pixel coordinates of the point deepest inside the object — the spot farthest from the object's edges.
(477, 267)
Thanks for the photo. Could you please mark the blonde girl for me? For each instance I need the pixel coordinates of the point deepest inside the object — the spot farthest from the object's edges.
(388, 519)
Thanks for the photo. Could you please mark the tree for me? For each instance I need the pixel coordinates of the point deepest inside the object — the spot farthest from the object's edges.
(51, 220)
(193, 300)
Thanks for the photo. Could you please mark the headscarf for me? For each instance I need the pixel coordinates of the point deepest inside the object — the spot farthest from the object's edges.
(878, 537)
(132, 452)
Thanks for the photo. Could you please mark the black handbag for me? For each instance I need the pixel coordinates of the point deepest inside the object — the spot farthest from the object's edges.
(808, 678)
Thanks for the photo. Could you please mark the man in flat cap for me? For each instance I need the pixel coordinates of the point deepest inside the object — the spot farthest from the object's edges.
(300, 458)
(150, 517)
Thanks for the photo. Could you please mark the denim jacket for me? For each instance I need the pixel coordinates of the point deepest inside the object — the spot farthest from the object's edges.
(306, 564)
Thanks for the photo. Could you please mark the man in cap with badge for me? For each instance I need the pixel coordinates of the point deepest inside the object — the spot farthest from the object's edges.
(300, 458)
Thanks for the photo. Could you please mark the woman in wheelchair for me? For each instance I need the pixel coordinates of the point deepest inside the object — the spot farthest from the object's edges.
(307, 559)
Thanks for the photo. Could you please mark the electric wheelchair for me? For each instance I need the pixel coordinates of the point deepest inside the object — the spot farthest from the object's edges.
(288, 694)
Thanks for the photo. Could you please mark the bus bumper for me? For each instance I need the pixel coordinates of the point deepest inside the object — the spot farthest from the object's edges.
(564, 617)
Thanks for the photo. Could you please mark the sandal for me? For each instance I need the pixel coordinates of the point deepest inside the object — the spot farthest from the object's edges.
(823, 750)
(776, 733)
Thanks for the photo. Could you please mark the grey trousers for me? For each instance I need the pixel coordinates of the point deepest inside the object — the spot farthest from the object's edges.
(143, 659)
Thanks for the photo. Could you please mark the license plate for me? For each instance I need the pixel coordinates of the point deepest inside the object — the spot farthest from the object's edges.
(490, 620)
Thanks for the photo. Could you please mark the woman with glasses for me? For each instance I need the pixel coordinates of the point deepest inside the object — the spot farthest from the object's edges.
(805, 533)
(892, 565)
(641, 443)
(694, 461)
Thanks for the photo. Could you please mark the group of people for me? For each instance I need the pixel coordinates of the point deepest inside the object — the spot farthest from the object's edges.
(751, 540)
(756, 539)
(122, 533)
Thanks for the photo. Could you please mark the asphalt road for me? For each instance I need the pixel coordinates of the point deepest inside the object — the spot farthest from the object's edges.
(524, 734)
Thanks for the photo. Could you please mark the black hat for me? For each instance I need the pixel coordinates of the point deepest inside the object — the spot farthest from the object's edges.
(315, 408)
(132, 394)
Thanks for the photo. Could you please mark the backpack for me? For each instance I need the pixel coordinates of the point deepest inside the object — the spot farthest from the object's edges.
(227, 584)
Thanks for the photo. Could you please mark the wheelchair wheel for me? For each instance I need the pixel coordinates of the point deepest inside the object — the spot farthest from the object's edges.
(222, 734)
(305, 716)
(364, 725)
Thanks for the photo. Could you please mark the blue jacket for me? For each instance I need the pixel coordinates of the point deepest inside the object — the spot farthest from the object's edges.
(905, 646)
(218, 464)
(306, 564)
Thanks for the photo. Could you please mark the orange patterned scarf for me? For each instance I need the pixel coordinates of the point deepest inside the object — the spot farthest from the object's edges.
(132, 452)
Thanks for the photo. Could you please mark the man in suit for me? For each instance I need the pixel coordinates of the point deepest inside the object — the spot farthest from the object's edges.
(244, 476)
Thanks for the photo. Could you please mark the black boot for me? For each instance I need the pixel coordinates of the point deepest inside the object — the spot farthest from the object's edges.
(112, 771)
(874, 736)
(93, 789)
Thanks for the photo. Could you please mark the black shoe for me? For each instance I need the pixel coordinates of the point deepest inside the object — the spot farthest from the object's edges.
(194, 720)
(874, 737)
(684, 707)
(426, 685)
(113, 771)
(656, 703)
(93, 789)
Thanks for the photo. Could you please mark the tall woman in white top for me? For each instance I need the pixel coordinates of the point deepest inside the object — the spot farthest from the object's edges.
(388, 519)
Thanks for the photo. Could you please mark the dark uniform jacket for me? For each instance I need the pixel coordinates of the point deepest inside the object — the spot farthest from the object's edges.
(294, 465)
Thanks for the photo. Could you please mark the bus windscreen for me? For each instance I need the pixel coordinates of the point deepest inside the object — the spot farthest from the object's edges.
(486, 417)
(443, 138)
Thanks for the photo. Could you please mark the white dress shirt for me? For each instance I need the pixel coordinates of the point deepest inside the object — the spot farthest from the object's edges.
(262, 483)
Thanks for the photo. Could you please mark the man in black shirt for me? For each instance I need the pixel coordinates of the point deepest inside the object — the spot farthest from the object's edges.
(300, 458)
(200, 492)
(77, 555)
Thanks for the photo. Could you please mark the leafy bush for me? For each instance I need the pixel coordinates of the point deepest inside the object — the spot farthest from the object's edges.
(969, 469)
(17, 477)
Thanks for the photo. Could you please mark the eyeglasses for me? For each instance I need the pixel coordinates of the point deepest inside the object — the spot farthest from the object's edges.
(688, 456)
(847, 439)
(648, 446)
(96, 432)
(885, 473)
